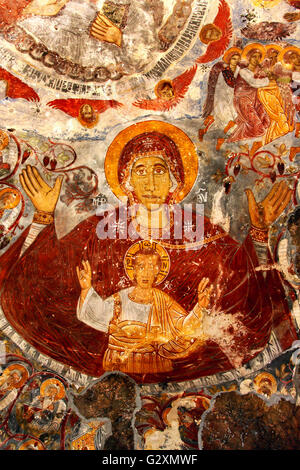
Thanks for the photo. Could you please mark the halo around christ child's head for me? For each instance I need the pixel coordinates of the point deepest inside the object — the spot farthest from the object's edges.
(147, 246)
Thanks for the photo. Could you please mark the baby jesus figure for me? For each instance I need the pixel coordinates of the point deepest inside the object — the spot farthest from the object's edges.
(147, 328)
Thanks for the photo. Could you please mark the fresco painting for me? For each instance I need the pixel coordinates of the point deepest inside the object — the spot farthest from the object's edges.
(149, 225)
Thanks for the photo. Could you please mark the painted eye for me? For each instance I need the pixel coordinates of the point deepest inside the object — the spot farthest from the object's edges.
(141, 171)
(159, 170)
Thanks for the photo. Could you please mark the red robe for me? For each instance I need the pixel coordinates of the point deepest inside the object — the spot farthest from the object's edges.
(41, 291)
(252, 120)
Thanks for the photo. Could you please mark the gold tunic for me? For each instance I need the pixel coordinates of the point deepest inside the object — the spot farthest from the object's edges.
(137, 348)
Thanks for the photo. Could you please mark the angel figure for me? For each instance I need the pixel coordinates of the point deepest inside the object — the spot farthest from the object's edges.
(217, 34)
(290, 60)
(169, 92)
(86, 111)
(252, 118)
(147, 328)
(219, 108)
(13, 87)
(277, 96)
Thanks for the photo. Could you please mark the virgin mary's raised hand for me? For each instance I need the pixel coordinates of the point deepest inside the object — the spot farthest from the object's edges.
(263, 214)
(43, 197)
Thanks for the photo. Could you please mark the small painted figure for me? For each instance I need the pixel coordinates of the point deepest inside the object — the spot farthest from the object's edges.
(145, 325)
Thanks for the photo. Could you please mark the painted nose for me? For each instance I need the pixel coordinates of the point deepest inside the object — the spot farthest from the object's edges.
(150, 182)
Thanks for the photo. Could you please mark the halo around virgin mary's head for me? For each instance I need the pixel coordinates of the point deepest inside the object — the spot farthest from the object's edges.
(182, 161)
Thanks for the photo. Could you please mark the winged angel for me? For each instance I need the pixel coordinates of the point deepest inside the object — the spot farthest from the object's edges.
(217, 34)
(13, 87)
(169, 92)
(219, 109)
(86, 111)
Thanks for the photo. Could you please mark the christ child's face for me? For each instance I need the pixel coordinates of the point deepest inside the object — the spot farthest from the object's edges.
(146, 268)
(151, 182)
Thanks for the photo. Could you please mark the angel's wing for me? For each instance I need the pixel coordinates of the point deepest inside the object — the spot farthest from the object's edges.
(102, 105)
(16, 88)
(72, 106)
(223, 22)
(180, 86)
(157, 104)
(211, 88)
(182, 82)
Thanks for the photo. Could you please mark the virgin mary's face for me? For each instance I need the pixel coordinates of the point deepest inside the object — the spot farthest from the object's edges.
(151, 182)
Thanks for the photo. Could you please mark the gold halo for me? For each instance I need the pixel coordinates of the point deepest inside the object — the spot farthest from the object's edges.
(164, 256)
(185, 146)
(57, 383)
(285, 51)
(29, 442)
(273, 46)
(20, 368)
(159, 85)
(230, 52)
(14, 191)
(265, 376)
(254, 45)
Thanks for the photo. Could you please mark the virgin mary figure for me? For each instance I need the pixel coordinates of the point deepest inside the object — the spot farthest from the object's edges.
(154, 164)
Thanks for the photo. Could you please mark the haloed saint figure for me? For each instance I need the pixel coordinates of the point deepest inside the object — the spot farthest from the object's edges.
(118, 310)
